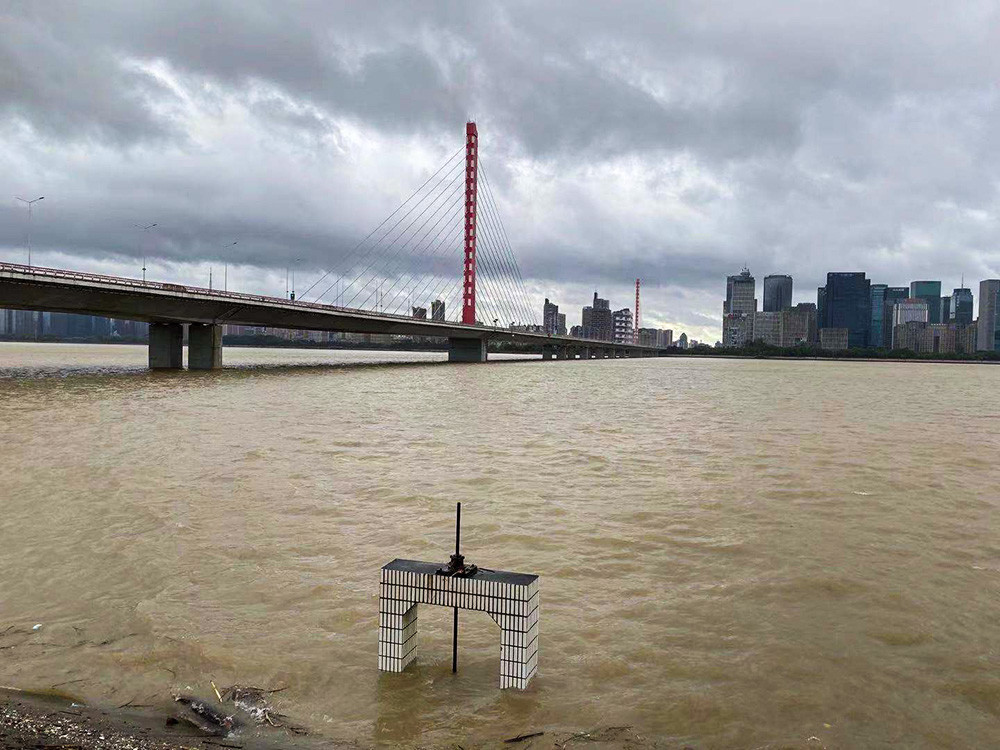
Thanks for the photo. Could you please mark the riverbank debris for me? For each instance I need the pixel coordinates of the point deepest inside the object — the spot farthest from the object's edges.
(206, 718)
(523, 737)
(252, 701)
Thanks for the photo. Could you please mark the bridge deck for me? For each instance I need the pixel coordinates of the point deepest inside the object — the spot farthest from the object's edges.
(57, 290)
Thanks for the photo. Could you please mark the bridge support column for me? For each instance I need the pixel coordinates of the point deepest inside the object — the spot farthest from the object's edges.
(204, 346)
(546, 352)
(166, 346)
(466, 350)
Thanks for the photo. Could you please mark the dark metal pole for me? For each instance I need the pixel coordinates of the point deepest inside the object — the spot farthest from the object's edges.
(454, 637)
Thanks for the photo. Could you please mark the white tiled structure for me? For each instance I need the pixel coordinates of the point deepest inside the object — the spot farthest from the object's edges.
(511, 599)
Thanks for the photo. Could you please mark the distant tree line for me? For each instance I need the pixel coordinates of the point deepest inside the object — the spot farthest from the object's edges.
(760, 350)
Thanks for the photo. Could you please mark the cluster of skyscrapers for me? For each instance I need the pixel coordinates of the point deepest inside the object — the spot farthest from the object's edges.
(852, 312)
(600, 323)
(29, 324)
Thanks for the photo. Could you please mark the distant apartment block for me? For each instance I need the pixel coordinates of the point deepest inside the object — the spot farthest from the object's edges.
(597, 322)
(989, 310)
(910, 310)
(767, 327)
(624, 331)
(437, 310)
(834, 339)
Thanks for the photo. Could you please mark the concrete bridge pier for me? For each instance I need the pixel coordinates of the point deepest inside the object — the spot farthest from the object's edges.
(467, 350)
(546, 352)
(166, 346)
(204, 346)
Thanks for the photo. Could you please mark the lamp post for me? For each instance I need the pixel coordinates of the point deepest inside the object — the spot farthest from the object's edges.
(145, 228)
(297, 260)
(225, 273)
(29, 204)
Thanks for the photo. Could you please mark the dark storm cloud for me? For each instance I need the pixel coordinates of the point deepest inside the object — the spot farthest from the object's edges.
(673, 141)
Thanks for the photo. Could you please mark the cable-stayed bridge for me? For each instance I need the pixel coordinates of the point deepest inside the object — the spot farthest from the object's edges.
(443, 250)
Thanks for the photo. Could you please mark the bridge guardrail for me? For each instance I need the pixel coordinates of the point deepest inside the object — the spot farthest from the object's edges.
(166, 286)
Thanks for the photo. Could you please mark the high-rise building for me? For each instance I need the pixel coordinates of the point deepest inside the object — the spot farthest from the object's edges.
(938, 338)
(767, 327)
(624, 331)
(777, 292)
(738, 309)
(420, 313)
(908, 335)
(930, 291)
(682, 342)
(561, 324)
(798, 325)
(740, 291)
(597, 323)
(737, 329)
(988, 325)
(655, 337)
(965, 338)
(550, 317)
(878, 316)
(945, 313)
(437, 310)
(912, 310)
(961, 306)
(893, 294)
(848, 305)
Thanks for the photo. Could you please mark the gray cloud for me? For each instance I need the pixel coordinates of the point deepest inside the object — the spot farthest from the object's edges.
(669, 141)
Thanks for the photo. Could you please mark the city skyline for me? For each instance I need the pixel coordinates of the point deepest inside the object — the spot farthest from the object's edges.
(670, 150)
(852, 311)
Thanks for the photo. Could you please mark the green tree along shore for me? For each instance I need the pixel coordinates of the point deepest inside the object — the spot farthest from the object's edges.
(760, 350)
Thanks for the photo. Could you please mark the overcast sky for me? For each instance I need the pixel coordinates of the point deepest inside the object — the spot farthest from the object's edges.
(670, 141)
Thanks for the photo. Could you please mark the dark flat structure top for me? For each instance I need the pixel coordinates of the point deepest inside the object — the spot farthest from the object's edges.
(429, 569)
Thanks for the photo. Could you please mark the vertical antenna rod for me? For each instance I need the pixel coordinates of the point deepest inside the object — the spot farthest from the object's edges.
(458, 539)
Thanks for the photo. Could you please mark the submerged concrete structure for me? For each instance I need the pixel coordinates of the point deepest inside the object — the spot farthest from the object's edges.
(166, 346)
(510, 599)
(204, 346)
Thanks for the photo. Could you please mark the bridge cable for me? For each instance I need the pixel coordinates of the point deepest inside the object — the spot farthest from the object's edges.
(342, 277)
(402, 260)
(432, 205)
(499, 219)
(387, 218)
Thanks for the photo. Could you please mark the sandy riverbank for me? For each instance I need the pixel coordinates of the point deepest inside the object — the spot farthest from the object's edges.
(34, 721)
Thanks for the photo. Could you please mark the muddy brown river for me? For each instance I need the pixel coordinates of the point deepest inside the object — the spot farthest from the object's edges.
(733, 553)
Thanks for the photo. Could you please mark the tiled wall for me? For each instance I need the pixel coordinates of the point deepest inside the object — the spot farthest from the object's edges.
(513, 606)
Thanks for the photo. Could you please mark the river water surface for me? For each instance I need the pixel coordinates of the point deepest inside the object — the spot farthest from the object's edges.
(732, 553)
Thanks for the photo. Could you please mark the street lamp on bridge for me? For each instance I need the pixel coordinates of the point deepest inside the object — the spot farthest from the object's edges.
(29, 204)
(225, 272)
(145, 228)
(292, 295)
